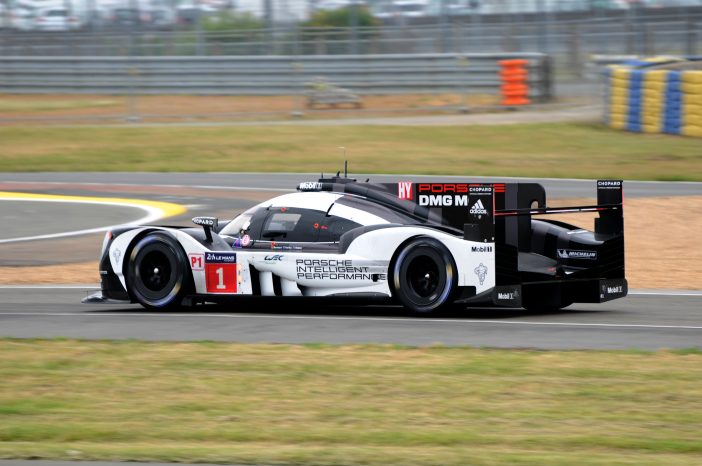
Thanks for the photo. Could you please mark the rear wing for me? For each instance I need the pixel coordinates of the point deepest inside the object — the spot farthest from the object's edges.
(610, 198)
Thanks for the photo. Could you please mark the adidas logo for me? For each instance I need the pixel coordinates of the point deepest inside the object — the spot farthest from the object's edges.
(478, 208)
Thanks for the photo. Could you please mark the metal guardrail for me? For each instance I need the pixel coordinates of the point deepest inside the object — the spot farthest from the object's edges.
(267, 75)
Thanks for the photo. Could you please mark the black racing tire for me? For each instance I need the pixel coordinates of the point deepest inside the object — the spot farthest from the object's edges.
(424, 276)
(157, 275)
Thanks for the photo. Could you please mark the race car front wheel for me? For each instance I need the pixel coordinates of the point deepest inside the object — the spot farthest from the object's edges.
(157, 273)
(424, 275)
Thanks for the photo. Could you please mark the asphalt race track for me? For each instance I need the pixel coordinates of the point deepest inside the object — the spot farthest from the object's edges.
(638, 321)
(646, 321)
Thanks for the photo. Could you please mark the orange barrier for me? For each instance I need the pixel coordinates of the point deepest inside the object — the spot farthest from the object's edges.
(515, 88)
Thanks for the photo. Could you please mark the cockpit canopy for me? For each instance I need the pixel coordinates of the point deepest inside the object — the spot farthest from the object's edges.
(310, 217)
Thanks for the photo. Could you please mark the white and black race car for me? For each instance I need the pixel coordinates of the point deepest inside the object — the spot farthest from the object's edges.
(423, 245)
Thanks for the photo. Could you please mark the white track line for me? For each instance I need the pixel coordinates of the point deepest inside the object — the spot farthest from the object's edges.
(152, 215)
(154, 211)
(666, 293)
(372, 319)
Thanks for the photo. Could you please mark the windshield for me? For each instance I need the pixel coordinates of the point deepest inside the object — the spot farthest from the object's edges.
(240, 224)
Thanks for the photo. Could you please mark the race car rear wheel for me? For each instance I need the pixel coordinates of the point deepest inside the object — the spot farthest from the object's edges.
(424, 275)
(157, 273)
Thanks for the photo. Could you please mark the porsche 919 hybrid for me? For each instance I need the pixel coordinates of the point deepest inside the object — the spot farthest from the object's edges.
(425, 246)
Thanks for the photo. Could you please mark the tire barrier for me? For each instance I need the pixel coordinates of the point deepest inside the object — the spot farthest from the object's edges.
(644, 98)
(515, 82)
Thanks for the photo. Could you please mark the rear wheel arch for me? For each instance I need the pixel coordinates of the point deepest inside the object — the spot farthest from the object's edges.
(421, 251)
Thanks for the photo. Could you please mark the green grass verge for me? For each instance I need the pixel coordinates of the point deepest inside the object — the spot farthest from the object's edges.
(53, 105)
(540, 150)
(347, 405)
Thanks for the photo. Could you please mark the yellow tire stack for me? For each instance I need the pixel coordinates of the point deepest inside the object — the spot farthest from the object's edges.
(618, 97)
(653, 100)
(691, 87)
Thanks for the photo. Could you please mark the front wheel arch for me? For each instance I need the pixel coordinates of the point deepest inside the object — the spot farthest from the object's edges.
(164, 248)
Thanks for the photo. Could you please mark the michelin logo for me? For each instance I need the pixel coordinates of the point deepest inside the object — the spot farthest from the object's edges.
(574, 254)
(478, 208)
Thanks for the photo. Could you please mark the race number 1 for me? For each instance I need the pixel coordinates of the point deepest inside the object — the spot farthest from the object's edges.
(220, 272)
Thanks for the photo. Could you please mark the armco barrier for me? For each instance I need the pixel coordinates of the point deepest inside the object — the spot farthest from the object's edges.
(267, 75)
(655, 100)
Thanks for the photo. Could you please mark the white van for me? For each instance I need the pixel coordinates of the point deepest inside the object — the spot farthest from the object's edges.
(56, 19)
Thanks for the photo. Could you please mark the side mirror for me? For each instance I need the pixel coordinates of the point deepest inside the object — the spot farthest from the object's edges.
(208, 224)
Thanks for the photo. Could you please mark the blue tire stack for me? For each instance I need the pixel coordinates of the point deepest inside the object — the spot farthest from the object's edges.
(672, 113)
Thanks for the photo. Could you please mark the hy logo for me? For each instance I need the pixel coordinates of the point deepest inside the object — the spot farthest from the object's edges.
(478, 208)
(481, 271)
(404, 190)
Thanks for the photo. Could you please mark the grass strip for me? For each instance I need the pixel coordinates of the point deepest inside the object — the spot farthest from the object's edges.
(29, 106)
(347, 405)
(577, 150)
